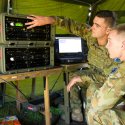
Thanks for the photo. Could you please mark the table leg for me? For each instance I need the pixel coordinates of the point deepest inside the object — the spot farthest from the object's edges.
(2, 93)
(47, 102)
(33, 88)
(66, 99)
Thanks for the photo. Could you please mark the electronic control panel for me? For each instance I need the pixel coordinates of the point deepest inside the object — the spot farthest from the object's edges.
(21, 59)
(14, 31)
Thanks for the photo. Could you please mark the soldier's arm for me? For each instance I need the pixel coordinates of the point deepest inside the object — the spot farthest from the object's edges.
(73, 81)
(67, 23)
(72, 26)
(84, 79)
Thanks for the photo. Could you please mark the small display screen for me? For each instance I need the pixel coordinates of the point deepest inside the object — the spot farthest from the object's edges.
(70, 45)
(18, 24)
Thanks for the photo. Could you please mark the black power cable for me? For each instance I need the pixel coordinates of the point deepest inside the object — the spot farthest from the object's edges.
(55, 83)
(12, 97)
(14, 86)
(19, 90)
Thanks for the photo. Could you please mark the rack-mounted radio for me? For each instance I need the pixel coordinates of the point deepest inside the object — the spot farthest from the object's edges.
(20, 59)
(14, 31)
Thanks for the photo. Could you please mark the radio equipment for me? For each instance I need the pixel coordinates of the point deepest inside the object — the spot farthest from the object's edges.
(14, 31)
(20, 59)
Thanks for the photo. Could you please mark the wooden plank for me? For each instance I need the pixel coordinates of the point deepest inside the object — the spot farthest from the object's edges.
(27, 75)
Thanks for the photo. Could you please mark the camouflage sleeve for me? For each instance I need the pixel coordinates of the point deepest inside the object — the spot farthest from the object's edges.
(109, 94)
(73, 26)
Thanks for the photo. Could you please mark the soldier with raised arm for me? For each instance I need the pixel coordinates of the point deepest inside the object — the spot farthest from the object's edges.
(98, 59)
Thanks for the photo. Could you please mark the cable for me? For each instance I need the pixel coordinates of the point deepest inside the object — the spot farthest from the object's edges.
(96, 3)
(81, 2)
(13, 85)
(18, 90)
(55, 82)
(12, 97)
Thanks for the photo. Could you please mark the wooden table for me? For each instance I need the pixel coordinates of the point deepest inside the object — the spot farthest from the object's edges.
(33, 74)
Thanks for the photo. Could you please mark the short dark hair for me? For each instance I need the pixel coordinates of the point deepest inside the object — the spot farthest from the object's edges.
(109, 16)
(120, 28)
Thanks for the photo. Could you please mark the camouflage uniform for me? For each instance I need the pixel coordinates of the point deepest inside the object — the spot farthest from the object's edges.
(102, 108)
(98, 59)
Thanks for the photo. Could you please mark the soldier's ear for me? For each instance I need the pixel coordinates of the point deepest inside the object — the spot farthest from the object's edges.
(108, 30)
(123, 44)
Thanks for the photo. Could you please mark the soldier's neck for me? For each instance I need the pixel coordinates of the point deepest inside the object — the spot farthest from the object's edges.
(102, 41)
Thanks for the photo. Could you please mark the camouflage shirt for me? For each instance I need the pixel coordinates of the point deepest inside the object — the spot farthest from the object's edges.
(97, 55)
(108, 96)
(111, 91)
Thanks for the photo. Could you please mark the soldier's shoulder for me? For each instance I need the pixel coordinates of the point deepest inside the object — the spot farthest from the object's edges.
(122, 68)
(119, 71)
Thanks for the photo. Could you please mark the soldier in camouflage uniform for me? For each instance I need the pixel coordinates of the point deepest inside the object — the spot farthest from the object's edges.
(98, 59)
(105, 105)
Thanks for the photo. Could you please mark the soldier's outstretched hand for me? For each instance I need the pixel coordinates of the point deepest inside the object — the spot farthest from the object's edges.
(72, 82)
(39, 21)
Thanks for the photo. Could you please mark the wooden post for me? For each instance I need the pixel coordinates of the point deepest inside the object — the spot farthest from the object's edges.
(47, 102)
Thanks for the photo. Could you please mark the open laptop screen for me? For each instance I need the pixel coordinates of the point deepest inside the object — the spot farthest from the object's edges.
(70, 49)
(70, 45)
